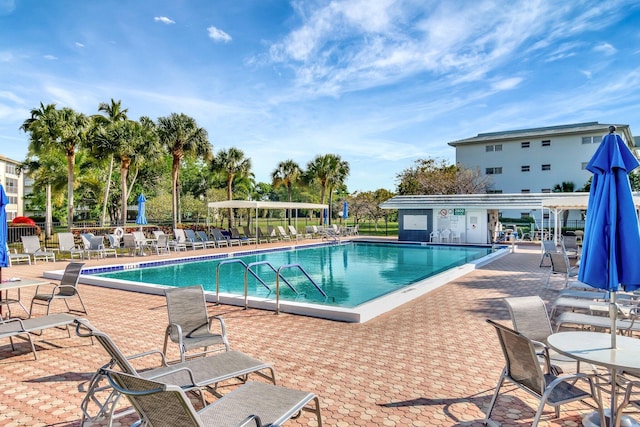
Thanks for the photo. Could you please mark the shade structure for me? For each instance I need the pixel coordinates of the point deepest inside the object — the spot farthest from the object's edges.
(345, 210)
(612, 236)
(4, 257)
(141, 219)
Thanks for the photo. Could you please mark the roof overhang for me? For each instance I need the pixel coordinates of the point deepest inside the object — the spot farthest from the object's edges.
(528, 201)
(250, 204)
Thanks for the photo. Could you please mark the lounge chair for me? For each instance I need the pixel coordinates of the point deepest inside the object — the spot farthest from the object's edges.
(219, 238)
(161, 245)
(283, 234)
(205, 239)
(560, 265)
(193, 240)
(66, 290)
(262, 238)
(244, 240)
(129, 244)
(548, 246)
(10, 328)
(272, 235)
(32, 247)
(570, 246)
(67, 244)
(253, 403)
(523, 370)
(190, 324)
(293, 233)
(181, 239)
(257, 238)
(17, 257)
(192, 375)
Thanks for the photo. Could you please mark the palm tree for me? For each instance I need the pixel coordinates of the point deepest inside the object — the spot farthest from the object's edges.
(329, 171)
(181, 136)
(61, 131)
(102, 147)
(230, 164)
(287, 173)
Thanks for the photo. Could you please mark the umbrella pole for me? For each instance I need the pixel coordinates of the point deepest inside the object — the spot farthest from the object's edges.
(613, 315)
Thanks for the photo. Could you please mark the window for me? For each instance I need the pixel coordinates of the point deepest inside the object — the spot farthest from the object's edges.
(493, 171)
(546, 143)
(546, 167)
(11, 169)
(545, 190)
(525, 168)
(13, 200)
(494, 147)
(12, 185)
(494, 191)
(525, 190)
(591, 139)
(525, 144)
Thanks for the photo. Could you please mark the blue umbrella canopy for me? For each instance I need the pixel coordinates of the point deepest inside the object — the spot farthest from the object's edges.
(611, 236)
(611, 229)
(141, 219)
(4, 201)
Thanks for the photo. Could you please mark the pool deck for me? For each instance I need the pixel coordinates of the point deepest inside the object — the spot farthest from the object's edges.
(430, 362)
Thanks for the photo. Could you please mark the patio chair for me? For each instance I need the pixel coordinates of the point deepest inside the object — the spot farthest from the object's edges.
(311, 231)
(190, 324)
(262, 238)
(293, 233)
(16, 257)
(271, 234)
(523, 370)
(206, 240)
(129, 244)
(529, 317)
(31, 245)
(191, 376)
(560, 265)
(66, 290)
(282, 233)
(161, 245)
(548, 246)
(182, 241)
(114, 241)
(192, 240)
(253, 403)
(67, 244)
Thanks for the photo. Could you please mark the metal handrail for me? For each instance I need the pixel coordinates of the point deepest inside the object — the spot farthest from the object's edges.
(244, 264)
(278, 275)
(246, 279)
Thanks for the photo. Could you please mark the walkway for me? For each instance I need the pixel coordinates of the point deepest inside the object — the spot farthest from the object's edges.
(431, 362)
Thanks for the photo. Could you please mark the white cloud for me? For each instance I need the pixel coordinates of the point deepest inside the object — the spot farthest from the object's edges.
(586, 73)
(164, 20)
(78, 44)
(506, 84)
(218, 35)
(605, 48)
(50, 57)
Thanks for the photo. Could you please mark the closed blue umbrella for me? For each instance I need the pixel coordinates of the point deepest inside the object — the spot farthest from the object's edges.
(612, 236)
(345, 210)
(4, 257)
(141, 219)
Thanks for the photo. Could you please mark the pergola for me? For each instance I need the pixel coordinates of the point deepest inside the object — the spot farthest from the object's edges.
(251, 204)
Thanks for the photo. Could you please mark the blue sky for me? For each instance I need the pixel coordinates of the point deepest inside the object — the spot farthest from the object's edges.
(379, 82)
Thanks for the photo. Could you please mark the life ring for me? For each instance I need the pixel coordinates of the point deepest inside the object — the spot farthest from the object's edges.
(119, 232)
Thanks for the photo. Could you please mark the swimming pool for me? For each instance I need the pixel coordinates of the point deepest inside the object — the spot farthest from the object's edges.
(352, 281)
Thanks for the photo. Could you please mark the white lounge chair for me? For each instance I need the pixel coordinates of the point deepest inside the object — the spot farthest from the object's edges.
(67, 244)
(32, 247)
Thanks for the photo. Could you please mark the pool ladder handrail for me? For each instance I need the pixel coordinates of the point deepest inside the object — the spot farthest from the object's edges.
(246, 279)
(244, 264)
(299, 267)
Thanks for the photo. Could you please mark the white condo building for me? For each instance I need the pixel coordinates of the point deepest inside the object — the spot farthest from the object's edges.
(535, 160)
(13, 185)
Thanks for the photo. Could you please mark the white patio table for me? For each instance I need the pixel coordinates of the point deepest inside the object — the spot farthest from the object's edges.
(595, 348)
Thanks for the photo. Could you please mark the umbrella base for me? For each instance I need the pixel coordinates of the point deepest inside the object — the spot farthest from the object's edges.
(593, 420)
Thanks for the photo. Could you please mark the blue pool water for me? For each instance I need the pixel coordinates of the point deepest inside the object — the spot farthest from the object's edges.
(349, 274)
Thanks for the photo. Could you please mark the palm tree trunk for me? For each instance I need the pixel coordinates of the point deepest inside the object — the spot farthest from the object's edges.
(106, 194)
(48, 222)
(175, 168)
(124, 170)
(71, 160)
(230, 197)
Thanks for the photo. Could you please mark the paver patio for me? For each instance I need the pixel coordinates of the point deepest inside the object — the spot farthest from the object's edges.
(431, 362)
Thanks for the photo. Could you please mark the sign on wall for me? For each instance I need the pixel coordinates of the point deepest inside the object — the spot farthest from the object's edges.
(414, 222)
